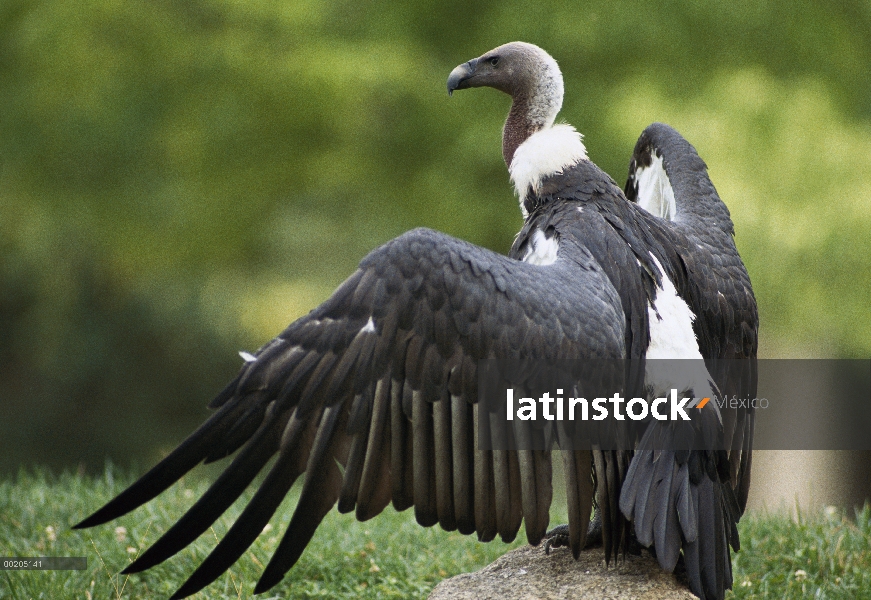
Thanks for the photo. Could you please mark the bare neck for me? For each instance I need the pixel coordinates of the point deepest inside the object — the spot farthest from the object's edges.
(525, 118)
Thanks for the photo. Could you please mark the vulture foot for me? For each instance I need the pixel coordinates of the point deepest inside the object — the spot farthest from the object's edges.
(558, 537)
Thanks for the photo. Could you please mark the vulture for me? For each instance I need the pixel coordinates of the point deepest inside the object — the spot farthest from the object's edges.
(372, 398)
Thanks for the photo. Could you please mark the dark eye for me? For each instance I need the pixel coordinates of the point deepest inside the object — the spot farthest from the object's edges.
(494, 60)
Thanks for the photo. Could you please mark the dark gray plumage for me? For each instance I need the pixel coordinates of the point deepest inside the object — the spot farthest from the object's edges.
(678, 501)
(716, 285)
(382, 377)
(437, 304)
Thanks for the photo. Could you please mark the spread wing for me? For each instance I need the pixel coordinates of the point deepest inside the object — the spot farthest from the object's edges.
(670, 181)
(666, 170)
(713, 278)
(381, 378)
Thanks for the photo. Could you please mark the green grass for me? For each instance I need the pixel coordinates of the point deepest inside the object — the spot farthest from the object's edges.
(387, 557)
(822, 555)
(826, 555)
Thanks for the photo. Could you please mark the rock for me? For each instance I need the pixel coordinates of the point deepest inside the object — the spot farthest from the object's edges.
(527, 573)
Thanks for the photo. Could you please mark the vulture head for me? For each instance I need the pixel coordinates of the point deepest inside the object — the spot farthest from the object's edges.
(532, 147)
(526, 73)
(519, 69)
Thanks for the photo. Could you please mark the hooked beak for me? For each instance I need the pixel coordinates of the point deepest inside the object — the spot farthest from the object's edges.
(459, 77)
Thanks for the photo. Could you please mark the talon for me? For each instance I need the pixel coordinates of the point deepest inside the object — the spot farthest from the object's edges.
(557, 537)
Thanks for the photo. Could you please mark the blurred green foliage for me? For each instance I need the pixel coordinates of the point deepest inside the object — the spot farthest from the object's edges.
(179, 179)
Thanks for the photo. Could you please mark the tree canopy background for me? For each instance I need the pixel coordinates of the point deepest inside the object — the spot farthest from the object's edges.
(180, 179)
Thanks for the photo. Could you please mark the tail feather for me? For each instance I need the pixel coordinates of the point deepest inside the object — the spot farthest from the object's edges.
(677, 512)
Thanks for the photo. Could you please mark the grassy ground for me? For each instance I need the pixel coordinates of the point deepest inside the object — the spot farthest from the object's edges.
(823, 555)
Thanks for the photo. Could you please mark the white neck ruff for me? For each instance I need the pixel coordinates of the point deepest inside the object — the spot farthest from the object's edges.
(544, 153)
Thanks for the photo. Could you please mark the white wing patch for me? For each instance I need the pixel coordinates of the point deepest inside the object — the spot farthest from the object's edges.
(247, 356)
(369, 327)
(541, 250)
(655, 194)
(544, 153)
(671, 323)
(673, 356)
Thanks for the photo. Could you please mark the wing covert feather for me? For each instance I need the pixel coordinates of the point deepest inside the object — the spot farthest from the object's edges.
(382, 379)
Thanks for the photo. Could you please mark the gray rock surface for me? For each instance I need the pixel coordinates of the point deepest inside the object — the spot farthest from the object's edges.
(527, 573)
